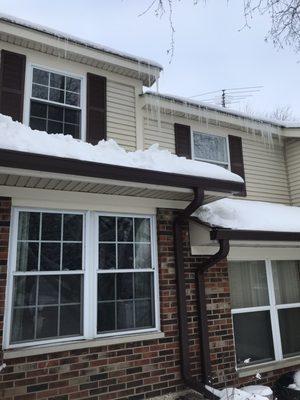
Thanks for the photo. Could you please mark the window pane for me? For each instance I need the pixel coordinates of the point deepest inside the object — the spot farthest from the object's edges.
(57, 81)
(125, 315)
(253, 336)
(210, 147)
(125, 229)
(48, 290)
(73, 130)
(55, 127)
(124, 286)
(40, 92)
(142, 229)
(73, 99)
(24, 290)
(27, 256)
(38, 109)
(72, 227)
(57, 95)
(143, 314)
(40, 76)
(125, 256)
(289, 321)
(47, 322)
(51, 226)
(56, 113)
(50, 256)
(142, 255)
(29, 225)
(70, 289)
(106, 317)
(107, 229)
(143, 285)
(73, 84)
(72, 256)
(38, 124)
(72, 117)
(23, 324)
(286, 276)
(107, 256)
(248, 284)
(106, 287)
(70, 320)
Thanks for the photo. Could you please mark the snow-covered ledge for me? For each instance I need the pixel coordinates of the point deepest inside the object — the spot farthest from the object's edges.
(269, 366)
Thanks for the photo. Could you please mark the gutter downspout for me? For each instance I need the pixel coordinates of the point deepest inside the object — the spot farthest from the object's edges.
(189, 380)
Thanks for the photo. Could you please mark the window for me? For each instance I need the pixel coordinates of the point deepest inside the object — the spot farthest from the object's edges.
(265, 299)
(210, 148)
(55, 105)
(56, 276)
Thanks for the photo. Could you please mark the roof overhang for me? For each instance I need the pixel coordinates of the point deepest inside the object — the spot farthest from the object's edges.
(26, 161)
(49, 41)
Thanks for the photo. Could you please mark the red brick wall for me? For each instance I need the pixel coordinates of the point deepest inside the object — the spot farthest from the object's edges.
(133, 371)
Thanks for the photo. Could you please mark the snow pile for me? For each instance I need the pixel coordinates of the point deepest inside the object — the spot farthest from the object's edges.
(16, 136)
(258, 389)
(296, 384)
(250, 215)
(235, 394)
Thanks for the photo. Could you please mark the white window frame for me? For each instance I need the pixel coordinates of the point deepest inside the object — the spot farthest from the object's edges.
(29, 97)
(273, 309)
(89, 271)
(218, 163)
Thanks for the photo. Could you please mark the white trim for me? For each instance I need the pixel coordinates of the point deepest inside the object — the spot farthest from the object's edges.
(28, 94)
(273, 309)
(89, 272)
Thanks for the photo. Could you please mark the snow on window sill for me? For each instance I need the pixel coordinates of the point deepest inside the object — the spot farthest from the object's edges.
(269, 366)
(81, 344)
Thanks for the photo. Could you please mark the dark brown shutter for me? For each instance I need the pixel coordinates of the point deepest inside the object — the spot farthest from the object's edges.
(183, 140)
(12, 77)
(236, 158)
(96, 108)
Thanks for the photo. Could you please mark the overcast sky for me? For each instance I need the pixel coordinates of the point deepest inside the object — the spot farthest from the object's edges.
(211, 52)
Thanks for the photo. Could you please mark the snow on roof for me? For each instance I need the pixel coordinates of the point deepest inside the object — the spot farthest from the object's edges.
(61, 35)
(201, 104)
(250, 215)
(18, 137)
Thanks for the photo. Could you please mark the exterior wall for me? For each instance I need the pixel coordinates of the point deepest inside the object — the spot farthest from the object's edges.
(136, 370)
(121, 93)
(292, 151)
(265, 169)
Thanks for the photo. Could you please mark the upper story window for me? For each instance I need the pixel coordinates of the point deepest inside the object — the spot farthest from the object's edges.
(210, 148)
(55, 104)
(265, 300)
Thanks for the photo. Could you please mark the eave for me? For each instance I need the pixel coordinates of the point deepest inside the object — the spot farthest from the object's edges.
(253, 235)
(69, 166)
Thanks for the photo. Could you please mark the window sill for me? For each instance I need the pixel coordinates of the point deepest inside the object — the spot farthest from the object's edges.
(80, 344)
(266, 367)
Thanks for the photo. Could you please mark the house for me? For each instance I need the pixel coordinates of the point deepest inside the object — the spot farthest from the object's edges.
(131, 275)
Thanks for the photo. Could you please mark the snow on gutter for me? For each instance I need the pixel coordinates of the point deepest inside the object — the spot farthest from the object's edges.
(18, 137)
(187, 102)
(249, 215)
(73, 39)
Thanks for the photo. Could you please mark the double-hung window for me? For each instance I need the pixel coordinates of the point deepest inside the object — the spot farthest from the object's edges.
(63, 286)
(210, 148)
(55, 103)
(265, 300)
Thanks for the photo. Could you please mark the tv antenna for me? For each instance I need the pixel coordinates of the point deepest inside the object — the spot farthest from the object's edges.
(225, 97)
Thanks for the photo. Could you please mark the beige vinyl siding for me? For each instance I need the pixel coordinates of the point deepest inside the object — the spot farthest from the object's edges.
(164, 135)
(121, 114)
(292, 148)
(265, 170)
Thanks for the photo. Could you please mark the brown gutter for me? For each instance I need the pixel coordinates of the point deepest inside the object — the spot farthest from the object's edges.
(189, 380)
(47, 163)
(231, 234)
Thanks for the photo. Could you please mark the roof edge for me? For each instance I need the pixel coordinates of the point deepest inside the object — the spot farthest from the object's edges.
(268, 236)
(70, 166)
